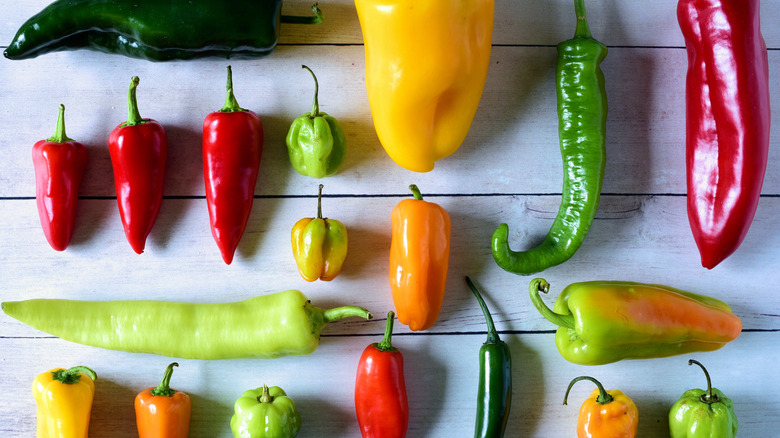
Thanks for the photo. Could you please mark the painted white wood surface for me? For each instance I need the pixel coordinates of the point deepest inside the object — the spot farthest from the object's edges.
(508, 169)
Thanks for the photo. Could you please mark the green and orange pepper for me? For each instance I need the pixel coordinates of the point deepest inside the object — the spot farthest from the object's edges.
(319, 245)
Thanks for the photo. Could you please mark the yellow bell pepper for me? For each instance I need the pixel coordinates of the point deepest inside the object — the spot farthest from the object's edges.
(319, 245)
(426, 64)
(64, 400)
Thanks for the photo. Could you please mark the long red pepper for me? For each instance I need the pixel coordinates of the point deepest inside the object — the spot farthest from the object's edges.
(380, 390)
(139, 150)
(727, 121)
(232, 147)
(59, 164)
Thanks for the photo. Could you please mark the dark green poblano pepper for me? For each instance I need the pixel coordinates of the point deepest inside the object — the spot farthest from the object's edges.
(703, 414)
(582, 119)
(316, 142)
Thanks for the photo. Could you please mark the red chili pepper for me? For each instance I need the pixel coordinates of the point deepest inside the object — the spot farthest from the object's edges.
(59, 164)
(380, 390)
(232, 146)
(138, 149)
(727, 121)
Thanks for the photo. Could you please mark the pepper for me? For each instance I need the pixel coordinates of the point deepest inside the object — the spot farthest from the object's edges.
(494, 395)
(606, 321)
(154, 30)
(64, 402)
(59, 163)
(607, 414)
(163, 412)
(268, 326)
(138, 150)
(265, 413)
(232, 148)
(381, 403)
(425, 71)
(419, 259)
(727, 119)
(319, 245)
(316, 142)
(703, 414)
(582, 118)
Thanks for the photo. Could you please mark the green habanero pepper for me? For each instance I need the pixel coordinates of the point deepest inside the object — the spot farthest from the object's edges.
(265, 413)
(268, 326)
(315, 142)
(156, 30)
(703, 414)
(582, 119)
(494, 396)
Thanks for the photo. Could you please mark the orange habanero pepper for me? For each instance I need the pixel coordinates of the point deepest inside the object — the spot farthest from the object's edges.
(605, 414)
(419, 257)
(163, 412)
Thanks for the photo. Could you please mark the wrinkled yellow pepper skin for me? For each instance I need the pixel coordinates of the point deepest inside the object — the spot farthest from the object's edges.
(426, 65)
(319, 245)
(64, 402)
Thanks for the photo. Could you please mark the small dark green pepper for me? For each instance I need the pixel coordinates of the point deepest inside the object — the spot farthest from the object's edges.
(316, 142)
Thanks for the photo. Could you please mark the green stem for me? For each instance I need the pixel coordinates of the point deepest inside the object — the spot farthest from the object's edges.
(582, 30)
(164, 388)
(708, 397)
(337, 313)
(265, 397)
(416, 192)
(540, 284)
(294, 19)
(133, 115)
(315, 106)
(59, 131)
(319, 203)
(492, 334)
(386, 344)
(231, 104)
(71, 375)
(603, 397)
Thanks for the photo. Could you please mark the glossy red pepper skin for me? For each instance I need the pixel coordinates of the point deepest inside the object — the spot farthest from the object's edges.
(139, 151)
(727, 121)
(232, 147)
(59, 165)
(381, 403)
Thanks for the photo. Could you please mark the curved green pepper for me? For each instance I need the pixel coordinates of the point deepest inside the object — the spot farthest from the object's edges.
(315, 142)
(582, 120)
(265, 413)
(703, 414)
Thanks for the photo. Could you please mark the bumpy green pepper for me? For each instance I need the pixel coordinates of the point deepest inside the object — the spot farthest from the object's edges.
(316, 143)
(265, 413)
(703, 414)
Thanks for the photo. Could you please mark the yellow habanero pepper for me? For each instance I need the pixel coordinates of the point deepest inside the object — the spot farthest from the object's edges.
(64, 399)
(319, 245)
(605, 414)
(426, 64)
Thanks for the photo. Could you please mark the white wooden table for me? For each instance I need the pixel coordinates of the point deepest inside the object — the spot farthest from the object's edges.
(508, 169)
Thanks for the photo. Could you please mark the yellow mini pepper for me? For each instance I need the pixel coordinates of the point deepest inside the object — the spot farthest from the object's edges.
(605, 414)
(319, 245)
(64, 400)
(426, 64)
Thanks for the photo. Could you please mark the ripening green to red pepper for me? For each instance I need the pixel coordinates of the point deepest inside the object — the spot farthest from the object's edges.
(265, 413)
(703, 414)
(727, 120)
(139, 150)
(232, 148)
(319, 245)
(59, 163)
(161, 411)
(582, 121)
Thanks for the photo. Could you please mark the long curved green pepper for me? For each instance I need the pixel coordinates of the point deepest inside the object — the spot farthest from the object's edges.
(494, 396)
(582, 118)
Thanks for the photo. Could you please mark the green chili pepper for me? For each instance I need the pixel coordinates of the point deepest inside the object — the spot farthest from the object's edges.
(315, 142)
(582, 118)
(494, 396)
(269, 326)
(703, 414)
(156, 30)
(265, 413)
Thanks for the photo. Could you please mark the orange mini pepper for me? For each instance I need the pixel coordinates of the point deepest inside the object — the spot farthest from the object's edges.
(606, 414)
(163, 412)
(419, 258)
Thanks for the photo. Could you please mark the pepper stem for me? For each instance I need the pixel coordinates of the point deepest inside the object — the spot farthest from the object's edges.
(231, 104)
(71, 375)
(315, 106)
(582, 30)
(265, 397)
(133, 115)
(337, 313)
(708, 397)
(294, 19)
(386, 344)
(319, 203)
(492, 334)
(416, 192)
(603, 397)
(540, 284)
(59, 131)
(164, 388)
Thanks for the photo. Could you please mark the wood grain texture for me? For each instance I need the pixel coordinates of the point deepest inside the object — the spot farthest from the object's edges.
(508, 170)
